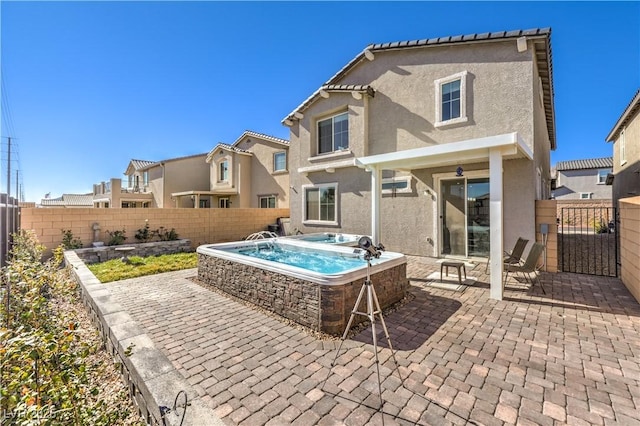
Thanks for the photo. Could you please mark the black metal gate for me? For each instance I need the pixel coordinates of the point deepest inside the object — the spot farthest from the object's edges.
(588, 240)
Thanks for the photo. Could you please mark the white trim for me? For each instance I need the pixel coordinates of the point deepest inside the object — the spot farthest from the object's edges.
(462, 76)
(331, 155)
(304, 204)
(267, 196)
(511, 146)
(323, 167)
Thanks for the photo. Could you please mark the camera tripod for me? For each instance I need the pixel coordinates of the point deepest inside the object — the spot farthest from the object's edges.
(373, 309)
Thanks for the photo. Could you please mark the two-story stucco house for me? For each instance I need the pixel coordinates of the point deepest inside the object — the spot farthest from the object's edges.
(583, 179)
(250, 173)
(435, 147)
(151, 183)
(625, 136)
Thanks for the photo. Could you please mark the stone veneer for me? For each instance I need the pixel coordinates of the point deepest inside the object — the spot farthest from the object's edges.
(324, 308)
(156, 248)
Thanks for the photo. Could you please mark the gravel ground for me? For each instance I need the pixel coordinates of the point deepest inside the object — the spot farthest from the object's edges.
(102, 368)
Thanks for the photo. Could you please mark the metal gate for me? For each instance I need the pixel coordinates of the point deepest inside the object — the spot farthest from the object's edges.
(588, 240)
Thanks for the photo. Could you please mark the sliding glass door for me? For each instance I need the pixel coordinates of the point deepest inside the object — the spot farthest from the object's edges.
(465, 216)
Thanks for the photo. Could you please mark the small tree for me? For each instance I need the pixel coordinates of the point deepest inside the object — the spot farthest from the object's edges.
(69, 242)
(116, 238)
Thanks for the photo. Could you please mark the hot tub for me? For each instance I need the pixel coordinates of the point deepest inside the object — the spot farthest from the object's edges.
(315, 285)
(328, 238)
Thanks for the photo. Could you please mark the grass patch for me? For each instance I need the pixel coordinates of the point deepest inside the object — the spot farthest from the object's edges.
(115, 269)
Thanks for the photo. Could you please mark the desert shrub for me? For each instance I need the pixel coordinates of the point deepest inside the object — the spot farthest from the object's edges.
(116, 238)
(69, 242)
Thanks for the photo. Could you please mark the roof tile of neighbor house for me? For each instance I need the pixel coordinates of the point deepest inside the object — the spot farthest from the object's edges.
(542, 52)
(627, 115)
(155, 163)
(262, 136)
(76, 200)
(139, 164)
(592, 163)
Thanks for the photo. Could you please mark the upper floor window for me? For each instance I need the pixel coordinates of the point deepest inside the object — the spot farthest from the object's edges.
(268, 202)
(451, 94)
(145, 177)
(280, 161)
(602, 176)
(223, 174)
(333, 133)
(320, 205)
(623, 149)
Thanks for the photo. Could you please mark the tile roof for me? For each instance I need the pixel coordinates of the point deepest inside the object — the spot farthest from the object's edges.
(542, 37)
(156, 163)
(262, 136)
(75, 200)
(627, 115)
(139, 164)
(592, 163)
(226, 147)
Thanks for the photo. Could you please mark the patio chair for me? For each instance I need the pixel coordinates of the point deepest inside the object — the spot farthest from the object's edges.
(512, 257)
(529, 266)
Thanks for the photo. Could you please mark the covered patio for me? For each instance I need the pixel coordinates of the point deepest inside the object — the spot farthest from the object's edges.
(492, 149)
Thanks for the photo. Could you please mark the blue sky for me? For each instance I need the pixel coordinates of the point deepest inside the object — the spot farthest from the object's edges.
(87, 86)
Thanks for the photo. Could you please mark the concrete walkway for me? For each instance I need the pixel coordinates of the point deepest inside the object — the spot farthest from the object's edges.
(571, 356)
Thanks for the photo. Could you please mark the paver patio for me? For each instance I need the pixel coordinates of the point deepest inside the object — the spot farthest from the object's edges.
(571, 356)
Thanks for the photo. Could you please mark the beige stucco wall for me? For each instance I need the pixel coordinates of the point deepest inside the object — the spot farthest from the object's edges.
(185, 174)
(627, 181)
(500, 99)
(201, 226)
(630, 244)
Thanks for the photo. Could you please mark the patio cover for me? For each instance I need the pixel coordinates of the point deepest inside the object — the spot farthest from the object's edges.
(493, 149)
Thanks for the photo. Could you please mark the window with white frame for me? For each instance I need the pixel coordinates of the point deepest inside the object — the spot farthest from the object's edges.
(333, 133)
(623, 148)
(145, 177)
(451, 95)
(223, 173)
(223, 203)
(320, 203)
(602, 176)
(280, 161)
(396, 185)
(268, 202)
(586, 195)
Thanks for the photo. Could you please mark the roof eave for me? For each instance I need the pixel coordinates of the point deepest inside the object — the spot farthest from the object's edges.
(633, 106)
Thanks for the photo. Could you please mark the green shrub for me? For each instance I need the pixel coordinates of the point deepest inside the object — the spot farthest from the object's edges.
(45, 361)
(167, 235)
(69, 242)
(116, 238)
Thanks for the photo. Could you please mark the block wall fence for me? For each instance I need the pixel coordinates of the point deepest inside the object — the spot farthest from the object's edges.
(630, 244)
(201, 226)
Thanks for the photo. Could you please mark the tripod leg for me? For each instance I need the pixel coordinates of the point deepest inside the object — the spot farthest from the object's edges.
(386, 332)
(372, 318)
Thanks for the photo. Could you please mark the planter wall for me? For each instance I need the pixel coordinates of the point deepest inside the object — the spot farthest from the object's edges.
(156, 248)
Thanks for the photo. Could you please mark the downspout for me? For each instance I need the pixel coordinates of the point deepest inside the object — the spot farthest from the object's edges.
(365, 101)
(163, 181)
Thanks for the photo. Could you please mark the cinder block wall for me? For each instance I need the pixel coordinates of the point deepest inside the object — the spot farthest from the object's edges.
(201, 226)
(630, 244)
(546, 213)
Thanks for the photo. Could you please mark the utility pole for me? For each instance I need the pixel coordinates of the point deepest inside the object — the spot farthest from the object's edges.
(8, 224)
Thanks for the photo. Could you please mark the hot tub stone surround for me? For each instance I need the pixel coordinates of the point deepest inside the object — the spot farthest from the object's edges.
(324, 308)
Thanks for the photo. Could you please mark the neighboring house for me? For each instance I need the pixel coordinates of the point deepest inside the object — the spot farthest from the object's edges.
(434, 147)
(583, 179)
(68, 201)
(151, 183)
(251, 173)
(625, 136)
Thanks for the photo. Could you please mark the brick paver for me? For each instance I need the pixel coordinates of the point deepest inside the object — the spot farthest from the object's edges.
(571, 356)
